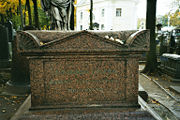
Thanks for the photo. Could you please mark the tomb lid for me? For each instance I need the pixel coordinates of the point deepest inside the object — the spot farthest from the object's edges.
(171, 56)
(32, 42)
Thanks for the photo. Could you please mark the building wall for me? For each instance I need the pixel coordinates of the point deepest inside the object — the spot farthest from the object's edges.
(127, 20)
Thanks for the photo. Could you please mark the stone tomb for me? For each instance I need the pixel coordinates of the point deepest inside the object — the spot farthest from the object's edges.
(170, 65)
(83, 69)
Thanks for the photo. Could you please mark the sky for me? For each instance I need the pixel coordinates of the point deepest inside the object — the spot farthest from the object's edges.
(163, 7)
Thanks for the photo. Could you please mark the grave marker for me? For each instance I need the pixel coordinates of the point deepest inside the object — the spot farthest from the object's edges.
(83, 69)
(4, 49)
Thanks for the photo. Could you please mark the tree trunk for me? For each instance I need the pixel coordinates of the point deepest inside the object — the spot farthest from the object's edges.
(29, 12)
(20, 9)
(36, 14)
(91, 15)
(72, 18)
(25, 17)
(151, 63)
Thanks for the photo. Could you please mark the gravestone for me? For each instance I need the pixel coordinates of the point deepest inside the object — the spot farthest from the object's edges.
(9, 26)
(83, 70)
(170, 65)
(20, 79)
(4, 49)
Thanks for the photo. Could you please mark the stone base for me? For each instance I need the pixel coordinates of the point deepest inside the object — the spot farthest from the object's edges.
(139, 115)
(169, 76)
(5, 64)
(175, 88)
(87, 107)
(80, 114)
(172, 79)
(142, 93)
(17, 88)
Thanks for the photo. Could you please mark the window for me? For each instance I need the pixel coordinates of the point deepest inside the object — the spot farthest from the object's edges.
(81, 15)
(102, 27)
(118, 12)
(102, 12)
(81, 27)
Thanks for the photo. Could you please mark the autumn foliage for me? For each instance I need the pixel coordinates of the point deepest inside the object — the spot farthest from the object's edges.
(10, 10)
(9, 6)
(32, 15)
(175, 18)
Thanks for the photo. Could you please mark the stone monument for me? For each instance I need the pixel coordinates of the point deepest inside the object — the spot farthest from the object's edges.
(170, 65)
(20, 79)
(59, 11)
(4, 48)
(9, 25)
(80, 73)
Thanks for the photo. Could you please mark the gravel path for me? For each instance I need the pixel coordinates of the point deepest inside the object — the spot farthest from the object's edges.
(162, 103)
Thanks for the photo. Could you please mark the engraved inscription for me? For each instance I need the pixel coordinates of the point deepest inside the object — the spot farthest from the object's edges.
(84, 81)
(81, 72)
(70, 72)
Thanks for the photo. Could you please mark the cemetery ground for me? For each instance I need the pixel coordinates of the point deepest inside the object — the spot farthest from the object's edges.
(9, 103)
(162, 100)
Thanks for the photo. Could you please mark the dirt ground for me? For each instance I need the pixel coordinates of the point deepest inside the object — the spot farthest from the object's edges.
(9, 103)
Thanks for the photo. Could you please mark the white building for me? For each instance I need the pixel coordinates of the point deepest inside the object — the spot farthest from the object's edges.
(109, 14)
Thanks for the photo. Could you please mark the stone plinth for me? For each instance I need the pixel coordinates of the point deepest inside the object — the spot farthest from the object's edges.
(83, 69)
(170, 64)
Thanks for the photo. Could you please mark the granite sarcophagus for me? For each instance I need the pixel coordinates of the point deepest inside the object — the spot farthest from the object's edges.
(83, 69)
(170, 65)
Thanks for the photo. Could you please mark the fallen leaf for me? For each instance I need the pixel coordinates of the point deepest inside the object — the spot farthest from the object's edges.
(14, 97)
(6, 98)
(41, 43)
(3, 111)
(155, 102)
(168, 118)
